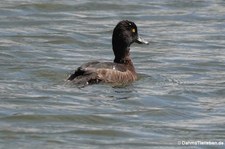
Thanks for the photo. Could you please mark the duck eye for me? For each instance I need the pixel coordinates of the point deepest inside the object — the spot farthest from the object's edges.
(133, 30)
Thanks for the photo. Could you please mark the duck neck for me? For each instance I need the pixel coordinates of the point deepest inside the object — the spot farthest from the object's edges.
(121, 47)
(122, 56)
(125, 59)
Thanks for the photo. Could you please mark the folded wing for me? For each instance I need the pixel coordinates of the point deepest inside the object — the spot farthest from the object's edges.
(95, 72)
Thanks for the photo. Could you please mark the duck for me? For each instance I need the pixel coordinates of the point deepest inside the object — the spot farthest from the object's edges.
(121, 70)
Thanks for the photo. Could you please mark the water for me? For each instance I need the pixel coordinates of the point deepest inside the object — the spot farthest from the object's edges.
(180, 94)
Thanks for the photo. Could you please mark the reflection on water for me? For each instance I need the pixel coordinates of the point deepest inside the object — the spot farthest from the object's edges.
(179, 94)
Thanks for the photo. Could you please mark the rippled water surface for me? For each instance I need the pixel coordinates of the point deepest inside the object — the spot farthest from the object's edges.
(180, 94)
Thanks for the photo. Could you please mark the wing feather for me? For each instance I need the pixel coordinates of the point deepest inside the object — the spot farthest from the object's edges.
(94, 72)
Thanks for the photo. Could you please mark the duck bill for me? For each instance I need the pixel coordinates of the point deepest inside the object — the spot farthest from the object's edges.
(141, 41)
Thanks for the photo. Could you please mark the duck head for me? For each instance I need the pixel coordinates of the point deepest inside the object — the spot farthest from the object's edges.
(124, 34)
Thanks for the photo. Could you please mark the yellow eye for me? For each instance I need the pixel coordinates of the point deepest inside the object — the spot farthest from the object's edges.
(133, 30)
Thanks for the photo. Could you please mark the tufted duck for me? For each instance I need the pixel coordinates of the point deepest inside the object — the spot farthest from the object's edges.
(122, 70)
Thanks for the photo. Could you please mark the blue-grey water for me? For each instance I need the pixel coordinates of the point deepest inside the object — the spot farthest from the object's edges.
(180, 94)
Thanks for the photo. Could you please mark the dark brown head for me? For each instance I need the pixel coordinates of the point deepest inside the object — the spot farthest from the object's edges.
(124, 34)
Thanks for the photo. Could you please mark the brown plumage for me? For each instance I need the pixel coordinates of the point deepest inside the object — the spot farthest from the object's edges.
(122, 70)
